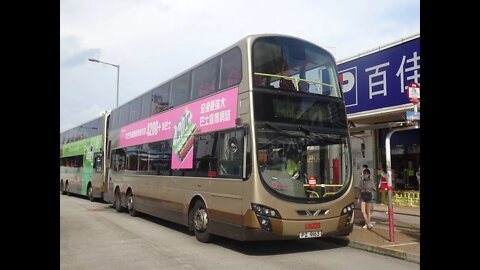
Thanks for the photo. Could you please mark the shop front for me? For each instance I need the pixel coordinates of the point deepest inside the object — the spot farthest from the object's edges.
(374, 85)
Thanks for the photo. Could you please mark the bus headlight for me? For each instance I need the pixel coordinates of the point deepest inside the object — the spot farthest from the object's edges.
(265, 223)
(264, 213)
(349, 211)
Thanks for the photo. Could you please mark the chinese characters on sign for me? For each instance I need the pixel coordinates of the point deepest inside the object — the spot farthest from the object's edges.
(378, 80)
(212, 113)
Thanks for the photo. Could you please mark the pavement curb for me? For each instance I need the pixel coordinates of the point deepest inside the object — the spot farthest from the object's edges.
(376, 249)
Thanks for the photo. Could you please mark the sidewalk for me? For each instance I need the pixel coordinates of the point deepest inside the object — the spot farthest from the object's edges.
(407, 233)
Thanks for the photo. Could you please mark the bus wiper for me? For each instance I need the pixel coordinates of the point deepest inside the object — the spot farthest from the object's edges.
(309, 131)
(327, 138)
(272, 126)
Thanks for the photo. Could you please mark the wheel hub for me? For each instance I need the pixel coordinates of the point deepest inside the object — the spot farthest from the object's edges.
(130, 202)
(200, 220)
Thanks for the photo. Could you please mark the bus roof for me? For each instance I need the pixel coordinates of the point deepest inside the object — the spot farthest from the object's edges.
(247, 40)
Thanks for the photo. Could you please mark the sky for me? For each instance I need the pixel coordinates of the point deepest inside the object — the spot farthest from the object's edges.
(154, 40)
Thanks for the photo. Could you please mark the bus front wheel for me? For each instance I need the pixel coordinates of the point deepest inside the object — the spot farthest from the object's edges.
(200, 222)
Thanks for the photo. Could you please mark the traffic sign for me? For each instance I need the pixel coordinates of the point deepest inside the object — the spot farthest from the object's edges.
(413, 92)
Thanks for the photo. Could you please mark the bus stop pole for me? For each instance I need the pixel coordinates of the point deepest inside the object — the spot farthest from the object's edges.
(391, 225)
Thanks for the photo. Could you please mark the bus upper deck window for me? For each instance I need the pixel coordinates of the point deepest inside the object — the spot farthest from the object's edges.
(233, 77)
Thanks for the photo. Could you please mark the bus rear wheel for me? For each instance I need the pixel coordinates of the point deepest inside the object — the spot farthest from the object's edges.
(67, 189)
(130, 205)
(62, 188)
(90, 193)
(200, 222)
(118, 202)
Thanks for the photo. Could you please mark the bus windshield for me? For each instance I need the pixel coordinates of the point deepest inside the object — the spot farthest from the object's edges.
(294, 65)
(302, 164)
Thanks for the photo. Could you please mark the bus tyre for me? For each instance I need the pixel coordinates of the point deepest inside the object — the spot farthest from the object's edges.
(130, 205)
(90, 193)
(62, 188)
(200, 222)
(67, 189)
(118, 203)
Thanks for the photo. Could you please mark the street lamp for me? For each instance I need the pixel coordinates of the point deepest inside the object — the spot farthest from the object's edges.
(118, 71)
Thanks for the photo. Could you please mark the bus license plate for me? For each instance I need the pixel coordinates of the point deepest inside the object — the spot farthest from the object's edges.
(310, 234)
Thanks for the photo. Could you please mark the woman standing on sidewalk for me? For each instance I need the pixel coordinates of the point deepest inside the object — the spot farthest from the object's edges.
(366, 195)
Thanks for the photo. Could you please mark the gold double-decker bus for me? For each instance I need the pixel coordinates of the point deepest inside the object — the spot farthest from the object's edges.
(250, 144)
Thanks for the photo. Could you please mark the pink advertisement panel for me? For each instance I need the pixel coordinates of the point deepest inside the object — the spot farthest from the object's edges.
(208, 114)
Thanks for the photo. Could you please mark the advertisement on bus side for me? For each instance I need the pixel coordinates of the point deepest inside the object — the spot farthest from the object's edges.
(212, 113)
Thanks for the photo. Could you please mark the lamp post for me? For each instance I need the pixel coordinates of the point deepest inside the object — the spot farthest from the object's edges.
(118, 71)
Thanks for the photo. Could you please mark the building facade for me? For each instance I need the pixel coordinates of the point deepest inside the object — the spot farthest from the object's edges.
(375, 89)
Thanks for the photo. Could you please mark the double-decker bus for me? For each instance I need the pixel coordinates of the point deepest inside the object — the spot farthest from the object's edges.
(250, 144)
(82, 151)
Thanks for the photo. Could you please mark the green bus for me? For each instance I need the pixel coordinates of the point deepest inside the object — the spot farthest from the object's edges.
(82, 155)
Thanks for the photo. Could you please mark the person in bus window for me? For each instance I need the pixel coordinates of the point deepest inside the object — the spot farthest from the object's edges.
(208, 83)
(120, 164)
(261, 81)
(291, 165)
(286, 84)
(303, 86)
(233, 77)
(294, 166)
(206, 88)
